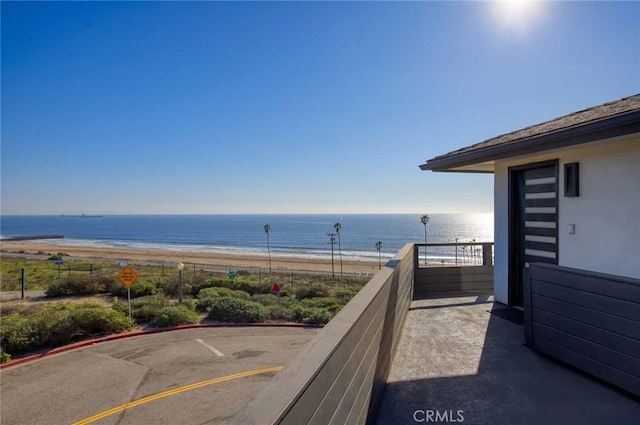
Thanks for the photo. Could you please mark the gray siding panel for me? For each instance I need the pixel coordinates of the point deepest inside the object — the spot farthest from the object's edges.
(588, 320)
(588, 332)
(601, 370)
(605, 304)
(597, 352)
(589, 316)
(597, 283)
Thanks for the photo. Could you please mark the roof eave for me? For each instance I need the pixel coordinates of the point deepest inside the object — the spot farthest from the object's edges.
(619, 125)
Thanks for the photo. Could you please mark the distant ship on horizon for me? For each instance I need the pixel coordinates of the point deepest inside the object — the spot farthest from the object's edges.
(81, 215)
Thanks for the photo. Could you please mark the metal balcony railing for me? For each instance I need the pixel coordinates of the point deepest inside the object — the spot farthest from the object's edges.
(454, 254)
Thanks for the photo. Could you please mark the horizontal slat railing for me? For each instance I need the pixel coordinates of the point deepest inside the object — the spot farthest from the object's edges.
(339, 377)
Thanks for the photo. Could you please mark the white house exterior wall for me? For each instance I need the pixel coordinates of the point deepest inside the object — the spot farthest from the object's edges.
(606, 215)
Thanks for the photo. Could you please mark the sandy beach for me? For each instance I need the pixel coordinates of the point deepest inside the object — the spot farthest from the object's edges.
(169, 257)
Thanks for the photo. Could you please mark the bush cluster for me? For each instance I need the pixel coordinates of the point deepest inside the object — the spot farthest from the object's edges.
(58, 325)
(174, 316)
(311, 291)
(159, 310)
(345, 293)
(332, 305)
(310, 299)
(144, 309)
(222, 292)
(311, 315)
(212, 282)
(287, 309)
(252, 287)
(207, 297)
(280, 313)
(74, 285)
(270, 299)
(236, 310)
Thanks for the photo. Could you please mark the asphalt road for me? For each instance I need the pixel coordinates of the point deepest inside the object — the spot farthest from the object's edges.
(157, 370)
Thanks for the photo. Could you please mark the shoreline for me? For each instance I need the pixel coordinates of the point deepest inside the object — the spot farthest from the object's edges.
(279, 262)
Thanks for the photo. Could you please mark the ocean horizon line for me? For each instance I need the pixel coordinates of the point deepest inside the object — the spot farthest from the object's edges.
(90, 214)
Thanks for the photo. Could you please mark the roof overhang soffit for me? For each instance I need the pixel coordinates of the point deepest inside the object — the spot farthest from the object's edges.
(482, 160)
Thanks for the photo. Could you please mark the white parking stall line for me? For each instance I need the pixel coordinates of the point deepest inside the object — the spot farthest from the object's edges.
(209, 347)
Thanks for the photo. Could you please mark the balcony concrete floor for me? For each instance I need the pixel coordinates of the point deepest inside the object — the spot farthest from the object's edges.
(457, 361)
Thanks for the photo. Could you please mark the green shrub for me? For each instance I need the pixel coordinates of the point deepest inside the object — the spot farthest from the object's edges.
(311, 292)
(330, 304)
(17, 333)
(110, 283)
(190, 303)
(209, 296)
(236, 310)
(174, 316)
(146, 309)
(318, 317)
(121, 307)
(344, 295)
(253, 287)
(304, 314)
(53, 325)
(141, 288)
(222, 292)
(94, 319)
(165, 285)
(158, 310)
(4, 357)
(280, 313)
(170, 286)
(212, 282)
(186, 289)
(270, 299)
(196, 281)
(58, 325)
(74, 285)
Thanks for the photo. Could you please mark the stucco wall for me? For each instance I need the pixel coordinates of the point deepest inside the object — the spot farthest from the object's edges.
(606, 214)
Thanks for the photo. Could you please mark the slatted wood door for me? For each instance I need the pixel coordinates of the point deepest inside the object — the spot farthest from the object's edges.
(534, 229)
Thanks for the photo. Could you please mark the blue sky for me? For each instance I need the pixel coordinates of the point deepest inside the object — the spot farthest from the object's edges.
(178, 107)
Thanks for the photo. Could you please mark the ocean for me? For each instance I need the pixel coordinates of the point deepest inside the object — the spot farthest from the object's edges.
(294, 235)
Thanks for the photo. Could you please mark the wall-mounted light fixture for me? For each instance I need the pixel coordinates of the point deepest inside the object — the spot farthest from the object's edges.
(572, 180)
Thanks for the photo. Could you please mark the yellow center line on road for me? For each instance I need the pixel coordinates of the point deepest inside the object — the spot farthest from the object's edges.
(174, 391)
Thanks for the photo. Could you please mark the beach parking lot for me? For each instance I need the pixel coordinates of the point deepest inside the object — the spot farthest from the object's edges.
(189, 376)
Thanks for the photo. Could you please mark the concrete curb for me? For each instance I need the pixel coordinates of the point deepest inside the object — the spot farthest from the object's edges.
(115, 337)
